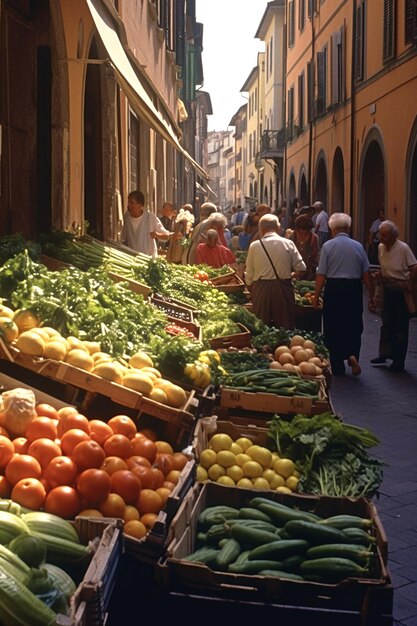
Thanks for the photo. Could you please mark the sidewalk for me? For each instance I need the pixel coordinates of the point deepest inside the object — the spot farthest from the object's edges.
(387, 403)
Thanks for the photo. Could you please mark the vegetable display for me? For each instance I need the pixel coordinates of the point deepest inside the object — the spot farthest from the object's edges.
(280, 382)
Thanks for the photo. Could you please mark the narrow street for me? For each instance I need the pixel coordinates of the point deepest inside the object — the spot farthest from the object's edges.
(386, 403)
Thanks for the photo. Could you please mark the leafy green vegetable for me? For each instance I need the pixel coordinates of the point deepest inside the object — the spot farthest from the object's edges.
(11, 245)
(243, 360)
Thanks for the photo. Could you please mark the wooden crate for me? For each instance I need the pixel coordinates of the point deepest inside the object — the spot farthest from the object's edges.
(173, 310)
(228, 283)
(238, 340)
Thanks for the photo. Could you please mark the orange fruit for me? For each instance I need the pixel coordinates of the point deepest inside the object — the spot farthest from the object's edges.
(90, 513)
(164, 492)
(6, 450)
(179, 460)
(71, 438)
(173, 476)
(130, 513)
(29, 492)
(149, 501)
(21, 445)
(163, 447)
(41, 427)
(149, 520)
(113, 506)
(44, 450)
(22, 466)
(135, 528)
(100, 431)
(123, 425)
(87, 454)
(118, 445)
(113, 464)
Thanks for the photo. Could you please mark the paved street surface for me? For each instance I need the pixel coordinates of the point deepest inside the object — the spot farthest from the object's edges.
(386, 402)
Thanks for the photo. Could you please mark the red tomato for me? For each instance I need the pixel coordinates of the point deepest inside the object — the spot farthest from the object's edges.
(144, 447)
(5, 487)
(46, 410)
(6, 450)
(93, 485)
(164, 462)
(127, 485)
(44, 450)
(123, 425)
(61, 470)
(100, 431)
(88, 454)
(137, 460)
(21, 445)
(63, 501)
(71, 438)
(41, 427)
(29, 492)
(145, 476)
(158, 477)
(112, 464)
(118, 445)
(69, 421)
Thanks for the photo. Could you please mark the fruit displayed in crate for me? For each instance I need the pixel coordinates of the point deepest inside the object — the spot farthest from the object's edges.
(299, 356)
(241, 463)
(67, 465)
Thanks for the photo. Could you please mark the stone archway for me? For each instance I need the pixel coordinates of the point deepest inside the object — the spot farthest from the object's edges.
(320, 182)
(303, 193)
(411, 193)
(338, 183)
(372, 183)
(292, 194)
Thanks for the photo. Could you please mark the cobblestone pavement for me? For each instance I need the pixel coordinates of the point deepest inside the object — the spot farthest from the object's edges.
(386, 402)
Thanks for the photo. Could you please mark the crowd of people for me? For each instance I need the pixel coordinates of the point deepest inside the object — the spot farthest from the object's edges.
(306, 244)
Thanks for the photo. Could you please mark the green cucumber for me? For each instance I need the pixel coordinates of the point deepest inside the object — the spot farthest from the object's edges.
(278, 549)
(205, 555)
(332, 568)
(228, 554)
(315, 533)
(253, 567)
(292, 563)
(252, 513)
(347, 521)
(248, 536)
(217, 514)
(253, 523)
(281, 513)
(216, 533)
(280, 574)
(355, 552)
(360, 536)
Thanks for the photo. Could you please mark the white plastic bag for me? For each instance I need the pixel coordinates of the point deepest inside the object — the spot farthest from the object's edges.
(18, 409)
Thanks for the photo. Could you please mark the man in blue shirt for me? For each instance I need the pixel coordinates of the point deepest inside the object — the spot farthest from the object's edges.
(343, 267)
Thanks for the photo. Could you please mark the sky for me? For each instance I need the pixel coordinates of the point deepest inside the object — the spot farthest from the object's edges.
(229, 53)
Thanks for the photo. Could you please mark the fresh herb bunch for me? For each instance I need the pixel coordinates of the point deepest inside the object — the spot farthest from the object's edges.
(270, 338)
(235, 361)
(331, 455)
(11, 245)
(247, 318)
(172, 356)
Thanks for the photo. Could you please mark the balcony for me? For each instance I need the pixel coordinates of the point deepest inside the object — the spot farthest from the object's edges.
(272, 144)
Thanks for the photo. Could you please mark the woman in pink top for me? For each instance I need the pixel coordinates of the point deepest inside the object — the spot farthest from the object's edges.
(212, 252)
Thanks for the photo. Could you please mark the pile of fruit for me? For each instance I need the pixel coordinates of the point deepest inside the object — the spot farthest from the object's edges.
(240, 463)
(62, 463)
(300, 356)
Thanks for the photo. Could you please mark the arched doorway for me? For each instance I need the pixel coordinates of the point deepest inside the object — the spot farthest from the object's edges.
(338, 183)
(372, 183)
(93, 163)
(303, 195)
(292, 194)
(320, 187)
(411, 201)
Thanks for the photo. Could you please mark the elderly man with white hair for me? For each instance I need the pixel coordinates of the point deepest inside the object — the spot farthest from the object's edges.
(343, 267)
(271, 262)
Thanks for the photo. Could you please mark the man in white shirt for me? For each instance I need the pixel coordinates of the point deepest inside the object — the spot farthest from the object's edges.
(271, 262)
(321, 223)
(141, 228)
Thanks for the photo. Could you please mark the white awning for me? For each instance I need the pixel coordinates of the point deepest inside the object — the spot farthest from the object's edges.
(130, 82)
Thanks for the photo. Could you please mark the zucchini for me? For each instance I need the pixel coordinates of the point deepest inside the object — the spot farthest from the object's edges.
(18, 605)
(332, 568)
(280, 574)
(254, 567)
(248, 536)
(278, 549)
(228, 554)
(356, 552)
(253, 514)
(205, 555)
(315, 533)
(347, 521)
(217, 514)
(243, 556)
(292, 563)
(254, 523)
(216, 533)
(60, 551)
(280, 512)
(360, 536)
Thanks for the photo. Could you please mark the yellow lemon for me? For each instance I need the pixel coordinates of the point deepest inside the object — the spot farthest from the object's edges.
(244, 483)
(244, 442)
(242, 458)
(268, 474)
(296, 473)
(235, 448)
(226, 480)
(277, 481)
(260, 483)
(202, 474)
(292, 483)
(283, 489)
(225, 458)
(260, 454)
(215, 471)
(207, 458)
(235, 472)
(285, 467)
(252, 469)
(221, 441)
(275, 456)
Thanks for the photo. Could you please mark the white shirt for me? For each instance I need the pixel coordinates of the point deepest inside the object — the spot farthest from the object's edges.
(284, 255)
(322, 222)
(396, 262)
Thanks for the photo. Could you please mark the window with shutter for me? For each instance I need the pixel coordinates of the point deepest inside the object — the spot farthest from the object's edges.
(301, 14)
(291, 25)
(359, 41)
(310, 91)
(301, 102)
(389, 30)
(179, 32)
(337, 68)
(410, 25)
(310, 8)
(290, 124)
(321, 81)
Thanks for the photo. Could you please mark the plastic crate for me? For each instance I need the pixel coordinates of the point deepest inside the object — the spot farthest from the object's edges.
(172, 309)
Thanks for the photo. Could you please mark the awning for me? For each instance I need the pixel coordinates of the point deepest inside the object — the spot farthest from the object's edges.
(207, 189)
(130, 82)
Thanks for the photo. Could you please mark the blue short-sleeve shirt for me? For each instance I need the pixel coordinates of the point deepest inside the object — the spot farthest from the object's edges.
(343, 257)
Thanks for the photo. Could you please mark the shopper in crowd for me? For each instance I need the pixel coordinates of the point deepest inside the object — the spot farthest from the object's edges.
(249, 231)
(206, 209)
(212, 252)
(141, 228)
(238, 216)
(167, 218)
(373, 237)
(322, 223)
(270, 265)
(342, 268)
(398, 267)
(307, 244)
(261, 210)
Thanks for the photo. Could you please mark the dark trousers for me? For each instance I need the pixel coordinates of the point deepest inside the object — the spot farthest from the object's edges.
(342, 320)
(273, 302)
(393, 340)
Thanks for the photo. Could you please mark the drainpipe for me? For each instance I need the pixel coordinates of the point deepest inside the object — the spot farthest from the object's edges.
(311, 125)
(283, 171)
(352, 115)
